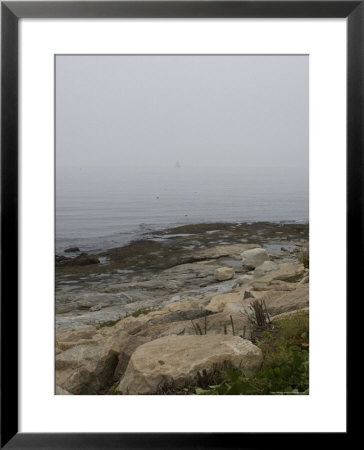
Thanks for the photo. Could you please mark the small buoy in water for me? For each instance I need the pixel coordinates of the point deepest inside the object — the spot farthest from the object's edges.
(186, 215)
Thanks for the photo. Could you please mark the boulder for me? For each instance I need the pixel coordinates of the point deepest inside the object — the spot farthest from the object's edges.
(274, 285)
(72, 250)
(254, 257)
(128, 348)
(84, 260)
(178, 359)
(245, 279)
(81, 260)
(86, 369)
(184, 305)
(267, 266)
(89, 369)
(76, 335)
(278, 302)
(69, 339)
(218, 302)
(215, 324)
(221, 322)
(290, 272)
(224, 273)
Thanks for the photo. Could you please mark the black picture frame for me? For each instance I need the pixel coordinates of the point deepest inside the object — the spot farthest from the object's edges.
(11, 12)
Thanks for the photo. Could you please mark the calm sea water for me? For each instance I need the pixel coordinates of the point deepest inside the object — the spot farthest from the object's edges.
(99, 212)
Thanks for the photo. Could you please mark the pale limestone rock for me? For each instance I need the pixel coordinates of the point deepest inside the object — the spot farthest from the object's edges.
(179, 358)
(215, 324)
(60, 391)
(218, 302)
(69, 339)
(274, 285)
(87, 369)
(224, 273)
(244, 279)
(290, 272)
(128, 348)
(279, 302)
(254, 257)
(267, 266)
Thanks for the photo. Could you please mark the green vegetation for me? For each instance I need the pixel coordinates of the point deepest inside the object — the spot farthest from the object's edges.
(141, 311)
(305, 260)
(285, 367)
(115, 391)
(109, 323)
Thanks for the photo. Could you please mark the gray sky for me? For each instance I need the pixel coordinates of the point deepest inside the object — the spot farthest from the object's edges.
(116, 112)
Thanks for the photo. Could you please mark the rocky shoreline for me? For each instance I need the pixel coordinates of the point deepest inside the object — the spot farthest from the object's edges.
(173, 305)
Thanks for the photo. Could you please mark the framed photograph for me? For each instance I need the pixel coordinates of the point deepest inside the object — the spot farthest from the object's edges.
(181, 205)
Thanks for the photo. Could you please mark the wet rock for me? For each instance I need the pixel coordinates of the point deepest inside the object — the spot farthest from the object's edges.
(177, 359)
(81, 260)
(72, 250)
(84, 260)
(220, 251)
(62, 260)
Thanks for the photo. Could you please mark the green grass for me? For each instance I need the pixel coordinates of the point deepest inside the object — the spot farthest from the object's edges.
(305, 260)
(141, 311)
(285, 368)
(114, 390)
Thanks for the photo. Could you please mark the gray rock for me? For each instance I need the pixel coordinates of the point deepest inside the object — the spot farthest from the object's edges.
(72, 250)
(96, 308)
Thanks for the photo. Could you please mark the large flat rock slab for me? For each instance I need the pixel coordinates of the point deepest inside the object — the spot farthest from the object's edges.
(178, 359)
